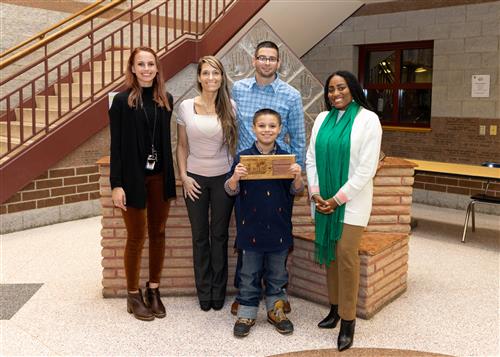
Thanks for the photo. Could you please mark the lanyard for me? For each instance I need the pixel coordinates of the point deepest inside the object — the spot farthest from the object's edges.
(152, 137)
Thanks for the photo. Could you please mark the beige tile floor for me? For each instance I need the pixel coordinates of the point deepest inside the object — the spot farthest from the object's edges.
(451, 305)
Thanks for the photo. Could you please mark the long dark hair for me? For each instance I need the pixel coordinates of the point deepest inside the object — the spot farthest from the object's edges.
(223, 106)
(135, 88)
(354, 87)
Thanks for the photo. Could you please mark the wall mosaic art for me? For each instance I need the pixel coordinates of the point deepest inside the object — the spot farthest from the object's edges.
(238, 64)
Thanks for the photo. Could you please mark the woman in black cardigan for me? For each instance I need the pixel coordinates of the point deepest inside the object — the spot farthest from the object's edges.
(142, 174)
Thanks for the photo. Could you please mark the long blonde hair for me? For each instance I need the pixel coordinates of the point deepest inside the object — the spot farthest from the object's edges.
(134, 98)
(223, 106)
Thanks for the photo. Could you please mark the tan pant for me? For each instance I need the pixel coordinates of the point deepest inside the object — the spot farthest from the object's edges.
(342, 277)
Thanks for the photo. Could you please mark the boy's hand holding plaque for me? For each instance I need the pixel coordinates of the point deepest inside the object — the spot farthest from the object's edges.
(267, 167)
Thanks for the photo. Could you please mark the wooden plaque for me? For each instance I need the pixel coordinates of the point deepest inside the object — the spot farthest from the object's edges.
(267, 167)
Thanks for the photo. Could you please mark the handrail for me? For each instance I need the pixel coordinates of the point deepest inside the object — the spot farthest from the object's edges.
(52, 89)
(42, 34)
(87, 34)
(59, 34)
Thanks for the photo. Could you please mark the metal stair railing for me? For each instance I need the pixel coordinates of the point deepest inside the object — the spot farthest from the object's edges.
(41, 35)
(79, 64)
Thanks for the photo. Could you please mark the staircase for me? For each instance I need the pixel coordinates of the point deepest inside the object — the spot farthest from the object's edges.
(67, 97)
(46, 116)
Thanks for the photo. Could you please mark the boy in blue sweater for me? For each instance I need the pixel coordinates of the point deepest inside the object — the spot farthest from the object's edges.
(264, 229)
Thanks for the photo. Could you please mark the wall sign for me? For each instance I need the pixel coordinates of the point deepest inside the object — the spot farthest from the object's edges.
(480, 86)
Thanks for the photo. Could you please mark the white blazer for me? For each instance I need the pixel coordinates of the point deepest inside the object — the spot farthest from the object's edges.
(357, 192)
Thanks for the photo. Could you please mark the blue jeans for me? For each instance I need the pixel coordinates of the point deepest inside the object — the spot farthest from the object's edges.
(255, 267)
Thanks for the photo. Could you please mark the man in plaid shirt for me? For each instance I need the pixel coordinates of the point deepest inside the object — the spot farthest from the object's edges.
(266, 90)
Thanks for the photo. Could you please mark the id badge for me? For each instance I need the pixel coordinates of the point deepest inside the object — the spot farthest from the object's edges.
(151, 161)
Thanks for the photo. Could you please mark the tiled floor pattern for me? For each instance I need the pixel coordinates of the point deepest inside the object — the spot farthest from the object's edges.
(451, 305)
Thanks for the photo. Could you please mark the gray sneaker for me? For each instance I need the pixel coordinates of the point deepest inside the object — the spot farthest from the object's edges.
(242, 326)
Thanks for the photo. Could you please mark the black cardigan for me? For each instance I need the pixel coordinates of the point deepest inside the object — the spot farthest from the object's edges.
(128, 152)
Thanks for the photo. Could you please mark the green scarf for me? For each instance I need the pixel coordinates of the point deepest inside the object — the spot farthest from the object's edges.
(333, 152)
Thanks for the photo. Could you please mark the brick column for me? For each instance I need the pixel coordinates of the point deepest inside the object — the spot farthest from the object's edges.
(392, 196)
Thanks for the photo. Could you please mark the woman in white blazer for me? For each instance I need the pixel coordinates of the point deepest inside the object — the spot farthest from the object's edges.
(341, 162)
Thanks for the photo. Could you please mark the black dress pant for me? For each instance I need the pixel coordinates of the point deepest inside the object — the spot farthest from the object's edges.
(209, 216)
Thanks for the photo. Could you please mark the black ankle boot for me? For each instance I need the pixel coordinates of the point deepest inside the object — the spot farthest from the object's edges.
(346, 335)
(136, 306)
(332, 319)
(153, 301)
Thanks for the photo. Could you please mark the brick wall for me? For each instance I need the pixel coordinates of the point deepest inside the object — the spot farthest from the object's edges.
(56, 187)
(390, 216)
(463, 185)
(383, 271)
(466, 42)
(392, 197)
(453, 140)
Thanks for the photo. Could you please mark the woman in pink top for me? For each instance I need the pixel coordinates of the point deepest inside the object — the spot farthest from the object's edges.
(206, 131)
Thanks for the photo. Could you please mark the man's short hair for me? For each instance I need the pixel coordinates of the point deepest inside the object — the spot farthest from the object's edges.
(267, 44)
(266, 111)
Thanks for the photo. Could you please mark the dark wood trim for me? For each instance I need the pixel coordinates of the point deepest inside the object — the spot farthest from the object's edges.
(396, 86)
(45, 153)
(399, 45)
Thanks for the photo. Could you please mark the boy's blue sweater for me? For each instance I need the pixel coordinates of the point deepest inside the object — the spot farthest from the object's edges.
(263, 211)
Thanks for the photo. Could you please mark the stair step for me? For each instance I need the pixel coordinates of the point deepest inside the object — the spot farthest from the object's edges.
(98, 65)
(76, 89)
(3, 147)
(126, 54)
(39, 115)
(97, 76)
(53, 102)
(14, 144)
(15, 129)
(3, 142)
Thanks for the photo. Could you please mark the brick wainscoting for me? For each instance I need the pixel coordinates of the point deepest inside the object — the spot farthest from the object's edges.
(58, 195)
(56, 187)
(390, 217)
(453, 140)
(462, 185)
(453, 191)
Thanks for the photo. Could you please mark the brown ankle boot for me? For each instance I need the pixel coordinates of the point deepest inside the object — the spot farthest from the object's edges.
(135, 305)
(153, 301)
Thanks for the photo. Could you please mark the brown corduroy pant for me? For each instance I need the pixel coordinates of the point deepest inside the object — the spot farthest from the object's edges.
(342, 277)
(138, 221)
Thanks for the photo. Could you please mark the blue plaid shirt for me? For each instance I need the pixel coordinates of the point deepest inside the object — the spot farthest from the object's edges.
(279, 96)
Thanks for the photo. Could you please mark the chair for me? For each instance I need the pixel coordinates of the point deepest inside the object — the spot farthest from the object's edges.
(480, 198)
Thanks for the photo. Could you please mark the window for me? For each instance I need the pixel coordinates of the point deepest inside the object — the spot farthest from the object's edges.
(397, 79)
